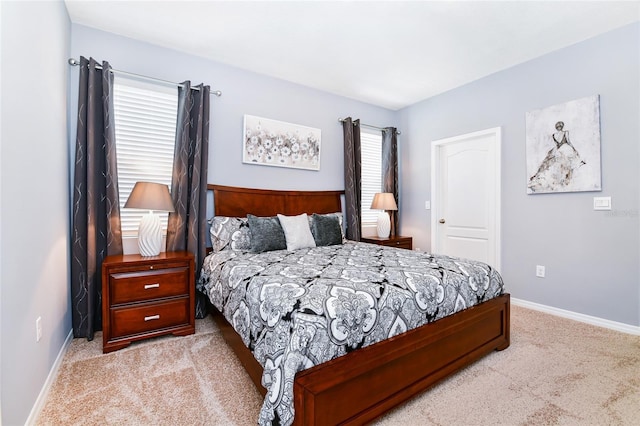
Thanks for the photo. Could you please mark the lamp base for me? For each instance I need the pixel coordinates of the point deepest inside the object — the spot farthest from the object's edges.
(149, 235)
(384, 225)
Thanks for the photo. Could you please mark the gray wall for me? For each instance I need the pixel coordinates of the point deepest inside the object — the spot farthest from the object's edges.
(591, 257)
(34, 195)
(243, 93)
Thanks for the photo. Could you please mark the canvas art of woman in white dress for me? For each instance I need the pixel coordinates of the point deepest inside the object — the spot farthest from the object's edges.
(557, 168)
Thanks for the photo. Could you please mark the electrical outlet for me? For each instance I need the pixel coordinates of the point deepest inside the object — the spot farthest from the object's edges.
(540, 271)
(38, 329)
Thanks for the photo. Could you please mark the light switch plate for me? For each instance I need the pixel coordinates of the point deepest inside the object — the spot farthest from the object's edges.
(602, 203)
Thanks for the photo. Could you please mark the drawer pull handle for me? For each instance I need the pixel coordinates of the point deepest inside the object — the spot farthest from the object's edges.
(152, 317)
(148, 286)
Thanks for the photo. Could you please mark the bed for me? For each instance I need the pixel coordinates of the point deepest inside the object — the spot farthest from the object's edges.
(371, 371)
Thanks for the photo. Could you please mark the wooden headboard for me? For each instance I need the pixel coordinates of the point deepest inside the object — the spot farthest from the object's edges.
(238, 202)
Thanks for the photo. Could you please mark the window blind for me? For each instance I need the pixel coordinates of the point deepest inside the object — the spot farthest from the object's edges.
(371, 151)
(145, 116)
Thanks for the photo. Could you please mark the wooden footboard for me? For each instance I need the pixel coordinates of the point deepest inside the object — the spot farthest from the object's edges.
(362, 385)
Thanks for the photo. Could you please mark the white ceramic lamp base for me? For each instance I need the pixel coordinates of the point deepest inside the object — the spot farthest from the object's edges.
(150, 235)
(384, 225)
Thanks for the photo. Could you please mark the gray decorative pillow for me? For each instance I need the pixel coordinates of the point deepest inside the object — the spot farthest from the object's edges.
(266, 234)
(229, 233)
(326, 230)
(337, 215)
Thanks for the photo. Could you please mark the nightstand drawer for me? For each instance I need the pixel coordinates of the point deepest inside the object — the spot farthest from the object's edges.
(128, 287)
(405, 244)
(146, 317)
(396, 241)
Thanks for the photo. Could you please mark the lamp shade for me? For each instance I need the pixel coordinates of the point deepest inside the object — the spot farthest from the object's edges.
(383, 201)
(150, 196)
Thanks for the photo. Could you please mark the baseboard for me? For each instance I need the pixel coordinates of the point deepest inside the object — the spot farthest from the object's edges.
(600, 322)
(53, 373)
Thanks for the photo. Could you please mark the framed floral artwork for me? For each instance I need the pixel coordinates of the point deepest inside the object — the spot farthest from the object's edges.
(276, 143)
(563, 147)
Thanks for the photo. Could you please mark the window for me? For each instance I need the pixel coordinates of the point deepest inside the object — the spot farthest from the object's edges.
(371, 148)
(145, 126)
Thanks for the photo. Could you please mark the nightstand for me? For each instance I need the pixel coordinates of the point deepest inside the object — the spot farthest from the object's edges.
(146, 297)
(397, 241)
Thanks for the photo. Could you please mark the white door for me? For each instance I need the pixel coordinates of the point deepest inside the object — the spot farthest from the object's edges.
(465, 191)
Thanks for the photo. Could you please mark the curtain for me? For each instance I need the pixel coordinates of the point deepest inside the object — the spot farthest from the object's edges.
(390, 169)
(96, 207)
(352, 178)
(187, 226)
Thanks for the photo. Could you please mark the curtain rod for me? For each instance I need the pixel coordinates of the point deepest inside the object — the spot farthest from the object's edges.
(367, 125)
(75, 63)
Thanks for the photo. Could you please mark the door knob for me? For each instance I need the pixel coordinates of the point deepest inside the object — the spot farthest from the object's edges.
(441, 221)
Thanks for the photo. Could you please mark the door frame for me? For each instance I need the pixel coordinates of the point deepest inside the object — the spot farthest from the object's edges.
(436, 149)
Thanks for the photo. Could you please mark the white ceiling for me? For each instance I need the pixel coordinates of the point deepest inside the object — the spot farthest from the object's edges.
(387, 53)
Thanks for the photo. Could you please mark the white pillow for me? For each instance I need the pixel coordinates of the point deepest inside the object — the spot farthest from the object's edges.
(296, 231)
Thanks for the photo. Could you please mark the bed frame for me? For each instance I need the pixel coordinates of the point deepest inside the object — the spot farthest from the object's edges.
(362, 385)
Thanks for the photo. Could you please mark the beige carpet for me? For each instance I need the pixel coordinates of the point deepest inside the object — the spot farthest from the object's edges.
(556, 372)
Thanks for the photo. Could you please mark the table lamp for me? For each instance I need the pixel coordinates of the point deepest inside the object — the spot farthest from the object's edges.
(384, 201)
(150, 196)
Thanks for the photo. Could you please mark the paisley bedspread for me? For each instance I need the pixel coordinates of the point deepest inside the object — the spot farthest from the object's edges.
(298, 309)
